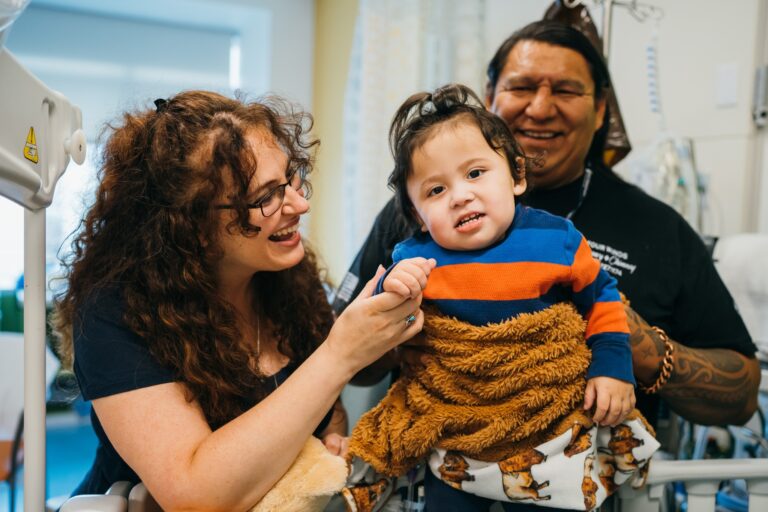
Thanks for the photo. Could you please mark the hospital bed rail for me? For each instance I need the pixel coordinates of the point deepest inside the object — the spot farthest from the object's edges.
(702, 480)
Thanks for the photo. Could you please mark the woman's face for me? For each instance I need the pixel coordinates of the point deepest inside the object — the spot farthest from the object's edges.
(278, 245)
(546, 95)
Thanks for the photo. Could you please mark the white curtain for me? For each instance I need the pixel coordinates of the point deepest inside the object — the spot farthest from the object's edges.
(400, 47)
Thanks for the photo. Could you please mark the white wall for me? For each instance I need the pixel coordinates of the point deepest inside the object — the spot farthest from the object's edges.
(761, 144)
(292, 41)
(697, 38)
(289, 33)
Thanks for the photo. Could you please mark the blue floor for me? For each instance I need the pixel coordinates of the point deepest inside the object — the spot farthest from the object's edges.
(70, 446)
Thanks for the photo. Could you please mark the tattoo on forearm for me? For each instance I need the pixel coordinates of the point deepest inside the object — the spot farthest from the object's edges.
(642, 333)
(647, 349)
(707, 385)
(716, 374)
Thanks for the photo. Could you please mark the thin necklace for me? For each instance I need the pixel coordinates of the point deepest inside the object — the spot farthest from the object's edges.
(258, 345)
(584, 189)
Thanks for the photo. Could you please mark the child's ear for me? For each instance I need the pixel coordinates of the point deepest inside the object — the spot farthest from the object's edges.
(520, 164)
(520, 184)
(519, 187)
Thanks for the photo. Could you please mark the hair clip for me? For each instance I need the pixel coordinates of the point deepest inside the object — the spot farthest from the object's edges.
(160, 105)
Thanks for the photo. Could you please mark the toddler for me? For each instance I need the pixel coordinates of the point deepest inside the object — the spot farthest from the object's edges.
(502, 401)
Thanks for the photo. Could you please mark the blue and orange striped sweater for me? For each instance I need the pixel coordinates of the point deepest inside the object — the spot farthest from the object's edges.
(542, 260)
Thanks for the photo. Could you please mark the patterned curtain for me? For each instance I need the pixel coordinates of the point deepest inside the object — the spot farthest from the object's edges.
(400, 47)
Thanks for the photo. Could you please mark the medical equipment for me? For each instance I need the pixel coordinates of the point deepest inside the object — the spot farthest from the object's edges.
(640, 11)
(39, 133)
(666, 168)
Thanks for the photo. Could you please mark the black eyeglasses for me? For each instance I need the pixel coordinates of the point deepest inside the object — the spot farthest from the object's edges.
(270, 202)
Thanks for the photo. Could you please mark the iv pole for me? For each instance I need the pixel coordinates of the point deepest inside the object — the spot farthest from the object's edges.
(607, 21)
(671, 165)
(638, 10)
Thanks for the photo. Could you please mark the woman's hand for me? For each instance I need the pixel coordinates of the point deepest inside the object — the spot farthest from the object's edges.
(409, 355)
(373, 325)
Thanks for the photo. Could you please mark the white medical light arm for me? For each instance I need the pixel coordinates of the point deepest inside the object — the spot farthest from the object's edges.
(39, 131)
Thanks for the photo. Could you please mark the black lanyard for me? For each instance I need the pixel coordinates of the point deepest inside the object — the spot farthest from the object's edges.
(584, 190)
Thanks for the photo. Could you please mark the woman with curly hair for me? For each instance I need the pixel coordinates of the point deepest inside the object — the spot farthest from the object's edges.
(195, 318)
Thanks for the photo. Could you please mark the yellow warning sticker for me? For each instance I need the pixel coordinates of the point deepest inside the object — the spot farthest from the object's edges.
(30, 148)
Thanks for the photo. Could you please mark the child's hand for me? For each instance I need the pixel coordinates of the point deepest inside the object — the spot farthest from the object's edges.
(614, 399)
(409, 277)
(336, 444)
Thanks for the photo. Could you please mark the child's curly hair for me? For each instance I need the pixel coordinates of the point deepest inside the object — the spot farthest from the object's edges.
(418, 117)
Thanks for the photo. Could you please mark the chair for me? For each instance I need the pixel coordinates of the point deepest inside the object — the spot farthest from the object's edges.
(12, 405)
(11, 457)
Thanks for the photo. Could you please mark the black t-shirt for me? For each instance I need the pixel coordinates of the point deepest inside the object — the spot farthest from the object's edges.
(659, 261)
(111, 359)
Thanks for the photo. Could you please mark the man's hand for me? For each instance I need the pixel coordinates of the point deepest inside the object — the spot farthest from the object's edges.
(613, 399)
(409, 277)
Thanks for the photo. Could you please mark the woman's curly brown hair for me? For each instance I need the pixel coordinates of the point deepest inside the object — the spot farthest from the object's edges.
(152, 233)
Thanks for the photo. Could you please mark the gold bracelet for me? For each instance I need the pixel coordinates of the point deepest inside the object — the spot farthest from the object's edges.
(667, 364)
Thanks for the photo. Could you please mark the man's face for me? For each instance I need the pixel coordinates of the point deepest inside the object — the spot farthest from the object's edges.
(546, 95)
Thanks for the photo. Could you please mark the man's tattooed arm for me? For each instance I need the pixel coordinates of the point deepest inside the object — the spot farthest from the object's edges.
(707, 386)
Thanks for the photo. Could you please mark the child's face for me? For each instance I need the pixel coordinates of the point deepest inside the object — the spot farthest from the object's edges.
(462, 190)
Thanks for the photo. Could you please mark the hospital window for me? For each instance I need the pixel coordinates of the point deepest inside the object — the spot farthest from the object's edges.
(106, 64)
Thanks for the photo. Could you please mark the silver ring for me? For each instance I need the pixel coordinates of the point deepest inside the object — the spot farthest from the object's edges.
(409, 320)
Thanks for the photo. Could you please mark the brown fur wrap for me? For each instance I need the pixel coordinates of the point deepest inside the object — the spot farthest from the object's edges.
(487, 392)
